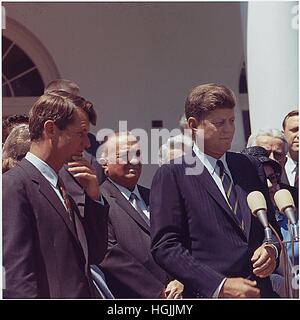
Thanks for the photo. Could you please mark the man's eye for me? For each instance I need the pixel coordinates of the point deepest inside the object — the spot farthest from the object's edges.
(219, 124)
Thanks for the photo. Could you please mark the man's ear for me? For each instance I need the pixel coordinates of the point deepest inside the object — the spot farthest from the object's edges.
(193, 123)
(49, 128)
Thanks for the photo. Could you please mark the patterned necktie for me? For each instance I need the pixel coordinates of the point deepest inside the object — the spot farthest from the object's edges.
(296, 181)
(135, 202)
(65, 196)
(230, 192)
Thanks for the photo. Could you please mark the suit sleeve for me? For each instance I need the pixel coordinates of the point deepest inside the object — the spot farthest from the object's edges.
(19, 260)
(169, 236)
(127, 273)
(95, 225)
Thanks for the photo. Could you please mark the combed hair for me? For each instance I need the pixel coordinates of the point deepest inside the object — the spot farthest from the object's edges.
(9, 122)
(59, 107)
(289, 115)
(64, 85)
(208, 97)
(274, 133)
(15, 147)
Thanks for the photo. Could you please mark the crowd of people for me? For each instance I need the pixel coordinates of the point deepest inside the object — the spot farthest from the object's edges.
(77, 224)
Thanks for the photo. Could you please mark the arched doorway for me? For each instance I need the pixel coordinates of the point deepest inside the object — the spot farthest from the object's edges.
(26, 68)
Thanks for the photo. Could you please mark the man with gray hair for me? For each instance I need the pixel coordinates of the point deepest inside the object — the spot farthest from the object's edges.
(274, 141)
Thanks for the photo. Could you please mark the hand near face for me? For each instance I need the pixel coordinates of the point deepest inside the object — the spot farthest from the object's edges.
(264, 260)
(86, 176)
(174, 290)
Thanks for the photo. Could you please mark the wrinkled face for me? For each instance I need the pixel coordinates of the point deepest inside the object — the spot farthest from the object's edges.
(123, 160)
(274, 147)
(74, 138)
(291, 133)
(218, 131)
(272, 180)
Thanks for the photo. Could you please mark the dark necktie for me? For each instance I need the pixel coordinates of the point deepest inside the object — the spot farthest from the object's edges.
(135, 202)
(230, 192)
(65, 196)
(296, 181)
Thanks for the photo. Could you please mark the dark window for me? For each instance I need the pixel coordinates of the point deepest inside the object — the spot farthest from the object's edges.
(21, 77)
(243, 87)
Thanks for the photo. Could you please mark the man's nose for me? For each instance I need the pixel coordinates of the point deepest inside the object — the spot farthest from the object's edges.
(135, 160)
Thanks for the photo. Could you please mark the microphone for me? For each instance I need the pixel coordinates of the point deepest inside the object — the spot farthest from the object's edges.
(257, 204)
(285, 204)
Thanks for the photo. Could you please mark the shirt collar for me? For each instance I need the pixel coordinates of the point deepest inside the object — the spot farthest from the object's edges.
(126, 192)
(209, 161)
(43, 167)
(291, 165)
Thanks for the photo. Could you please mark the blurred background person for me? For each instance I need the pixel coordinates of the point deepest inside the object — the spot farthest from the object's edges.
(274, 141)
(272, 171)
(15, 147)
(9, 122)
(290, 127)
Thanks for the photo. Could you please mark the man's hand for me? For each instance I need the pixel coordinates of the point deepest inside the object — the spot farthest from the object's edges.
(239, 288)
(174, 290)
(86, 176)
(264, 260)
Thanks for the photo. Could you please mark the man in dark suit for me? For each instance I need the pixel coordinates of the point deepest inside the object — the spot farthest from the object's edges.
(47, 245)
(202, 230)
(128, 265)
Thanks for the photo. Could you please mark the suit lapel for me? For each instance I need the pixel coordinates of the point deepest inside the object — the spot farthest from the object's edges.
(208, 182)
(47, 191)
(115, 195)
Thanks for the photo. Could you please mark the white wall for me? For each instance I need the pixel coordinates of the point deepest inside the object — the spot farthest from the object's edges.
(273, 70)
(137, 61)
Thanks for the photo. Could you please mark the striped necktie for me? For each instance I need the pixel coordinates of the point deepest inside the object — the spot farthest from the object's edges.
(230, 192)
(66, 198)
(135, 202)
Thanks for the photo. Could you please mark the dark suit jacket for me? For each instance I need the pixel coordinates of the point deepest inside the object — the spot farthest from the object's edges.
(129, 267)
(43, 255)
(195, 235)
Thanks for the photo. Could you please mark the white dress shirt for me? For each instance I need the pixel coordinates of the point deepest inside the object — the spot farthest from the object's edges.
(48, 173)
(290, 169)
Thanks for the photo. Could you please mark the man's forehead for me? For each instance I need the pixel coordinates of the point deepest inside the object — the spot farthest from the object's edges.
(292, 122)
(269, 141)
(123, 142)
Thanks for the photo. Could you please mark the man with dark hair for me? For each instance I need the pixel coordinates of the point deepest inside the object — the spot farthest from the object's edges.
(64, 85)
(48, 245)
(203, 232)
(290, 127)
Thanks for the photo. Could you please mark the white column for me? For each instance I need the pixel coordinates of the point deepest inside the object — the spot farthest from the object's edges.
(272, 62)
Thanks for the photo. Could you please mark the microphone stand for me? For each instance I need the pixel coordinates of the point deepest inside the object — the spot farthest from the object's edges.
(286, 264)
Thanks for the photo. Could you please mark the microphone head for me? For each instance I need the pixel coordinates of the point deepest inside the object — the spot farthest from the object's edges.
(256, 201)
(283, 199)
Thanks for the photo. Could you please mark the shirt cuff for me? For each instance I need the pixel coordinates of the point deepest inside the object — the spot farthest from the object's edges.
(217, 291)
